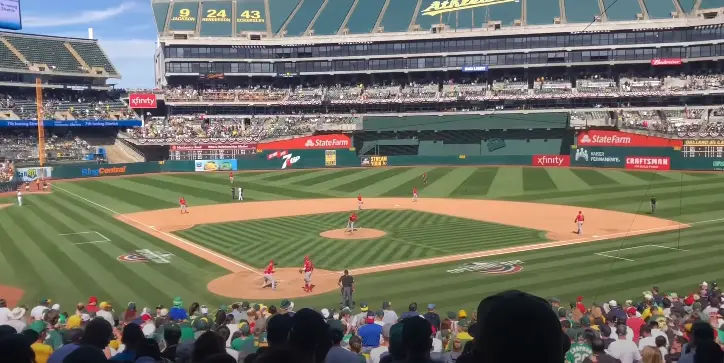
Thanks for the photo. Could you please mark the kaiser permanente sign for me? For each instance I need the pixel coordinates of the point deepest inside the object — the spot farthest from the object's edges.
(447, 6)
(623, 139)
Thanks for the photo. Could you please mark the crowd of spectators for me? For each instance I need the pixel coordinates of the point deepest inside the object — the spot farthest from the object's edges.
(686, 123)
(7, 171)
(466, 89)
(250, 129)
(655, 329)
(67, 105)
(23, 145)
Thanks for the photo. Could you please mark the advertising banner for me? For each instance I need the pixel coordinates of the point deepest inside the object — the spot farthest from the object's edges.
(330, 157)
(213, 147)
(599, 157)
(373, 161)
(142, 100)
(335, 141)
(72, 123)
(648, 162)
(483, 68)
(623, 139)
(551, 160)
(658, 62)
(32, 174)
(118, 170)
(216, 165)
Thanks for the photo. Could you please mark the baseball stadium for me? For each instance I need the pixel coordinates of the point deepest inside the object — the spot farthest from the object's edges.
(438, 152)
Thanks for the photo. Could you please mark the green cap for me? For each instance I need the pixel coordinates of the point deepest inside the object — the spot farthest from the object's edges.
(178, 302)
(38, 326)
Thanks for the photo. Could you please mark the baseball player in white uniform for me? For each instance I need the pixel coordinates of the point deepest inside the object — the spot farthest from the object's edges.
(20, 198)
(241, 193)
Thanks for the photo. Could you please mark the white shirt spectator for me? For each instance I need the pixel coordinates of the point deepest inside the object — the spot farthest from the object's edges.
(647, 342)
(4, 315)
(376, 353)
(234, 354)
(624, 350)
(37, 312)
(106, 315)
(390, 317)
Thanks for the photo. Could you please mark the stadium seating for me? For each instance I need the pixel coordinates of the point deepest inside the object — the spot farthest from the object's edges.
(23, 146)
(66, 105)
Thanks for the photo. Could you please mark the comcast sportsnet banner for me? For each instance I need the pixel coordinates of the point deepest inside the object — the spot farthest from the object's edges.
(335, 141)
(623, 139)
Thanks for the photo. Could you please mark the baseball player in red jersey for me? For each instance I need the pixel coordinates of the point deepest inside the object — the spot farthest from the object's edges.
(182, 202)
(350, 222)
(579, 222)
(308, 267)
(359, 202)
(269, 276)
(414, 194)
(231, 177)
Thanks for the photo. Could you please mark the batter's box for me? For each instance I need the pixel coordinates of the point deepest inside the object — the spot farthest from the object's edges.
(618, 253)
(83, 238)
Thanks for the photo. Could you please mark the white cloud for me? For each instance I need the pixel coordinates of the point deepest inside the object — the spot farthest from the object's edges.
(84, 17)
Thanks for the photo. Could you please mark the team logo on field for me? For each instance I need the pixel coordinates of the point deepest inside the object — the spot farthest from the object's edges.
(491, 268)
(146, 255)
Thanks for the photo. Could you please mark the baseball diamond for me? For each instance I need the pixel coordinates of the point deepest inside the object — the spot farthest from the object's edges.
(478, 215)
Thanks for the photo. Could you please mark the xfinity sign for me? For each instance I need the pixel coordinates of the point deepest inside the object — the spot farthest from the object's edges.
(142, 100)
(551, 160)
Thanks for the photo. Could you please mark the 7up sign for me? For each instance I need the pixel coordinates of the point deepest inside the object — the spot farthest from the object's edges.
(288, 159)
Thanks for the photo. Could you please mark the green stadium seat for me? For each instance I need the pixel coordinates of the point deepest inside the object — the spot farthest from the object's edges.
(301, 20)
(46, 50)
(581, 11)
(160, 14)
(280, 12)
(364, 16)
(398, 15)
(9, 60)
(92, 53)
(332, 17)
(542, 12)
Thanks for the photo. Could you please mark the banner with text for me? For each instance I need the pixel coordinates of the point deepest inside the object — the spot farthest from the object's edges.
(551, 160)
(623, 139)
(335, 141)
(216, 165)
(72, 123)
(648, 162)
(32, 174)
(599, 157)
(213, 147)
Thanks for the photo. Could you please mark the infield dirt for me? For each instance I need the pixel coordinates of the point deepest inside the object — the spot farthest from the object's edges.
(557, 221)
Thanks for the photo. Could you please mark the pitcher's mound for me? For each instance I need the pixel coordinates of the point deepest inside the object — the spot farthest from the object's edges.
(358, 233)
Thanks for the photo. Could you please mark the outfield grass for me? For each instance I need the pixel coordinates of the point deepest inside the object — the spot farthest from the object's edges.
(37, 255)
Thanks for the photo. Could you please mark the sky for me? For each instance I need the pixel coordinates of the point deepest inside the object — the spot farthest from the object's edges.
(125, 29)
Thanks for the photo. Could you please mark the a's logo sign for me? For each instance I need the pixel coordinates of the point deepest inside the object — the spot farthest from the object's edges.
(581, 154)
(490, 268)
(446, 6)
(146, 255)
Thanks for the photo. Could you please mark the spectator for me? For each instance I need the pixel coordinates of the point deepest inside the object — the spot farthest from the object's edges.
(17, 319)
(661, 345)
(359, 319)
(208, 344)
(355, 347)
(132, 339)
(225, 334)
(53, 337)
(15, 348)
(651, 355)
(376, 353)
(412, 311)
(105, 312)
(623, 349)
(544, 336)
(38, 311)
(244, 345)
(702, 347)
(309, 337)
(278, 329)
(171, 337)
(676, 349)
(433, 317)
(635, 323)
(336, 353)
(42, 351)
(148, 352)
(4, 312)
(579, 350)
(454, 353)
(416, 339)
(646, 339)
(177, 312)
(92, 306)
(599, 354)
(390, 315)
(75, 336)
(370, 333)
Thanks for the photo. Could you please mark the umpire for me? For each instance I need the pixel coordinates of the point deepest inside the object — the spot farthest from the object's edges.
(653, 205)
(233, 193)
(346, 283)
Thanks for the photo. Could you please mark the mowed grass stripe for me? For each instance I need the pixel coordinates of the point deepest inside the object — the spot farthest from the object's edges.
(368, 180)
(405, 189)
(140, 200)
(26, 274)
(327, 175)
(186, 190)
(284, 174)
(283, 192)
(477, 183)
(537, 179)
(593, 177)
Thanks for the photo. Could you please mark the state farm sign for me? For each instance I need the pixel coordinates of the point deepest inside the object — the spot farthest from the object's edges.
(666, 62)
(623, 139)
(142, 100)
(336, 141)
(648, 162)
(551, 160)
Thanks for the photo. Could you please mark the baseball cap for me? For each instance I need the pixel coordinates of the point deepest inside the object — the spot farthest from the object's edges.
(45, 301)
(462, 314)
(363, 306)
(370, 317)
(430, 306)
(245, 305)
(325, 313)
(380, 314)
(386, 305)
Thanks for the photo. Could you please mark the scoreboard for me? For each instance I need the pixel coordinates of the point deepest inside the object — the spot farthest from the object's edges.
(697, 148)
(210, 151)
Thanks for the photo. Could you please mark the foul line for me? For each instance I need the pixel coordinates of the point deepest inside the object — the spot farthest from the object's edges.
(237, 263)
(605, 253)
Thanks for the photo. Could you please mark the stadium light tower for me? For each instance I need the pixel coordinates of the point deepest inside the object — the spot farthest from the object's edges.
(41, 129)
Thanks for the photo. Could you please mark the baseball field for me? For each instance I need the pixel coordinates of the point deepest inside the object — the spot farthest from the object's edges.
(474, 231)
